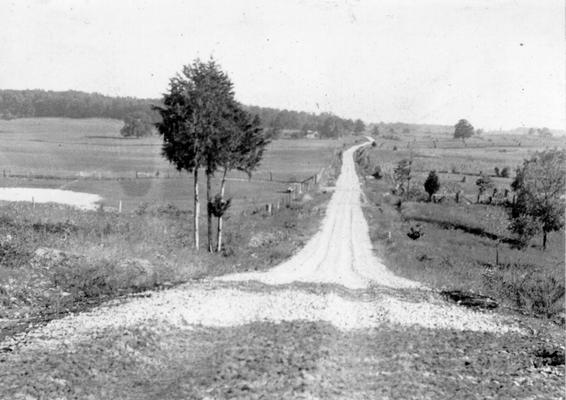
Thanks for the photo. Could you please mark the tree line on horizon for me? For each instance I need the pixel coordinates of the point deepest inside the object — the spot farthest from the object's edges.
(39, 103)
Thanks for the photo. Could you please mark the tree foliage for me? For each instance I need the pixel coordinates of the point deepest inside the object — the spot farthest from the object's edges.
(432, 184)
(539, 189)
(204, 127)
(70, 104)
(328, 125)
(359, 126)
(243, 148)
(463, 130)
(75, 104)
(137, 124)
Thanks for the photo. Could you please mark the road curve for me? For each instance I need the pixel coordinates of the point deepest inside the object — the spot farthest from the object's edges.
(341, 252)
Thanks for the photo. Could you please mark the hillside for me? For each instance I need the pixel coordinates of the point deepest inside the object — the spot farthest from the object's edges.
(75, 104)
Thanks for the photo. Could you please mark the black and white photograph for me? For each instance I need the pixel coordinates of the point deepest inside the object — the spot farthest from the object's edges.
(282, 199)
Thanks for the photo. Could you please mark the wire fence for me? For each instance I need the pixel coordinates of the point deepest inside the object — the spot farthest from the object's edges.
(297, 190)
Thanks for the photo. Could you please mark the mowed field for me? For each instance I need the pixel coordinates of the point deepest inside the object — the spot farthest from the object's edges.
(89, 155)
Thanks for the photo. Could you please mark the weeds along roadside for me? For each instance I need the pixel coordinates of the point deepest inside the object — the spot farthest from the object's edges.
(457, 245)
(55, 259)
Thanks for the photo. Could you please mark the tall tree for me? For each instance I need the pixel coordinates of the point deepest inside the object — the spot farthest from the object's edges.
(194, 113)
(244, 146)
(539, 187)
(463, 130)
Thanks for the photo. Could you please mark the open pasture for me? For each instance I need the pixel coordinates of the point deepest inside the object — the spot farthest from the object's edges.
(459, 163)
(91, 156)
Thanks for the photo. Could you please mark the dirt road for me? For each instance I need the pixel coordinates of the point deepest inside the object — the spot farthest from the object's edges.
(341, 252)
(333, 322)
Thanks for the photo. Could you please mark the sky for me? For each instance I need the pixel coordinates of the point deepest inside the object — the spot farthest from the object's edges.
(497, 63)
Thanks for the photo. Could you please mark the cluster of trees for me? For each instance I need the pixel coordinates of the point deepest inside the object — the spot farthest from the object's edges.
(542, 132)
(539, 186)
(204, 127)
(328, 125)
(137, 112)
(137, 124)
(70, 104)
(402, 176)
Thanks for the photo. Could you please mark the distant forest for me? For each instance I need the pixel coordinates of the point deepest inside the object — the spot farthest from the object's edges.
(75, 104)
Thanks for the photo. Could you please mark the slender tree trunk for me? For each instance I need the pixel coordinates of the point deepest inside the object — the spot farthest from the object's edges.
(544, 240)
(196, 209)
(219, 232)
(208, 210)
(497, 253)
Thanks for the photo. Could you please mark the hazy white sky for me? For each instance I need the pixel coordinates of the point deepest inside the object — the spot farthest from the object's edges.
(497, 63)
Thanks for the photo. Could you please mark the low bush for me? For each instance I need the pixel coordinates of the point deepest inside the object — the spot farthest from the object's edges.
(528, 287)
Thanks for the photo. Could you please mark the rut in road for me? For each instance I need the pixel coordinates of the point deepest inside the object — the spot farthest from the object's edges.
(341, 252)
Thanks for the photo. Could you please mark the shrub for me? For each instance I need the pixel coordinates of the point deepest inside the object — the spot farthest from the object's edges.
(496, 170)
(532, 289)
(377, 173)
(415, 232)
(432, 184)
(505, 172)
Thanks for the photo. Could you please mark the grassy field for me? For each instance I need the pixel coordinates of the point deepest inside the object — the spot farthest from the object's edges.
(75, 154)
(462, 245)
(55, 259)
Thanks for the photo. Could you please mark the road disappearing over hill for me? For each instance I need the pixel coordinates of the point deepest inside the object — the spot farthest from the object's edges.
(341, 252)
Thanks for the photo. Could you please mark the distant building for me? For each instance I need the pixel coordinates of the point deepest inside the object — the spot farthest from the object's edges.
(312, 134)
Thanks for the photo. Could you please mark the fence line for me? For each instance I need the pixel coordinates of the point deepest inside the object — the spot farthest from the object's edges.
(263, 176)
(296, 189)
